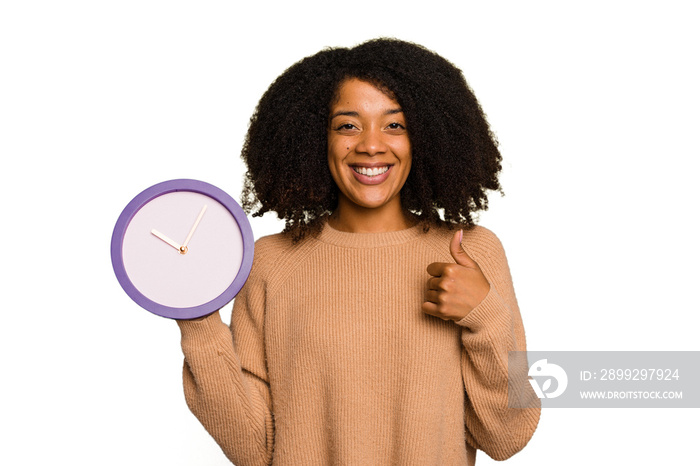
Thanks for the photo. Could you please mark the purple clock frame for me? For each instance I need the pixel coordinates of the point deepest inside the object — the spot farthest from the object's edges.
(168, 187)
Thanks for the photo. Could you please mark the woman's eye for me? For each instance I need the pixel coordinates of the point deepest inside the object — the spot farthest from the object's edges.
(345, 127)
(396, 126)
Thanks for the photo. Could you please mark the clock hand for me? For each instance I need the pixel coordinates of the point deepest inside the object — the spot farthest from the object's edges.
(194, 227)
(161, 236)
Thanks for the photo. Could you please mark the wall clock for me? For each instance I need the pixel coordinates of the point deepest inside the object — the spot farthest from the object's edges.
(182, 249)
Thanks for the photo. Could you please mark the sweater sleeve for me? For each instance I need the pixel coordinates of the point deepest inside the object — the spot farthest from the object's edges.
(489, 332)
(225, 378)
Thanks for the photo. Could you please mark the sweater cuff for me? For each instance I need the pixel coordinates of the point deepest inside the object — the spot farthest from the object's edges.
(492, 312)
(200, 330)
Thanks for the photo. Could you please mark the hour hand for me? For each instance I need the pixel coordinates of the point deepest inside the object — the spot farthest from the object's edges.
(162, 237)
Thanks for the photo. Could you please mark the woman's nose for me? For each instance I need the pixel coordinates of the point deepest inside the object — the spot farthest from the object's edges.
(371, 142)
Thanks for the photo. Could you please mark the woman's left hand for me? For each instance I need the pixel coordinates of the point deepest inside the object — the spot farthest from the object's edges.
(455, 289)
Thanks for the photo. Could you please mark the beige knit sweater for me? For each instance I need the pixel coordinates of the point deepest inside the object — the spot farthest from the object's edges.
(329, 359)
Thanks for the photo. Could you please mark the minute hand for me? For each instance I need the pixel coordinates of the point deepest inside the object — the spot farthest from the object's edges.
(194, 227)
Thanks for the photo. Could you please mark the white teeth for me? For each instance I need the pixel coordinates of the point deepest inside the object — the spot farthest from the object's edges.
(371, 171)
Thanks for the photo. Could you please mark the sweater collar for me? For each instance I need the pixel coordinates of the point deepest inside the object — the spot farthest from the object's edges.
(368, 240)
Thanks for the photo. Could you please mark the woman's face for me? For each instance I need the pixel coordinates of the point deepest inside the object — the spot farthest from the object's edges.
(369, 153)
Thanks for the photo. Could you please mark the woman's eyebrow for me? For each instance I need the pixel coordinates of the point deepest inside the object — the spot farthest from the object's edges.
(392, 111)
(352, 114)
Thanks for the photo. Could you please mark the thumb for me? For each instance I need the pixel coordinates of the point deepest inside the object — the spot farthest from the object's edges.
(458, 253)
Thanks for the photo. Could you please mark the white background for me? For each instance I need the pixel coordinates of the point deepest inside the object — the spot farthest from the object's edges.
(595, 105)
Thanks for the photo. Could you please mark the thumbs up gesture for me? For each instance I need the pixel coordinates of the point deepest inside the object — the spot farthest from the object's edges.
(455, 289)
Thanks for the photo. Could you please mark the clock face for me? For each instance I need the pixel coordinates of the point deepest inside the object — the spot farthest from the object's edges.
(182, 249)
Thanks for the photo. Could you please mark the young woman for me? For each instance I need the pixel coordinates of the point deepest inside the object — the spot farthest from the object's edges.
(376, 328)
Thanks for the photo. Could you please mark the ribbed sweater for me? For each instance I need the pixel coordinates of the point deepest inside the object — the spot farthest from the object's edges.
(330, 360)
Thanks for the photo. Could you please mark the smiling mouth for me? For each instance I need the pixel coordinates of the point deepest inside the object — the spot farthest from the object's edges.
(371, 172)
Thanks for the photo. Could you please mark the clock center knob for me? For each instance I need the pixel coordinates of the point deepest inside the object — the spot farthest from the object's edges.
(183, 250)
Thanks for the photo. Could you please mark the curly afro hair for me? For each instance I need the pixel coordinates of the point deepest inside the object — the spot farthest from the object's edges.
(455, 157)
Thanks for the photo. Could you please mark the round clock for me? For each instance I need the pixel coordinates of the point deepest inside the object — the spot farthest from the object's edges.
(182, 249)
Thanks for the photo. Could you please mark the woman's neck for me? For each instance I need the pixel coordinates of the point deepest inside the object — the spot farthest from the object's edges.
(352, 218)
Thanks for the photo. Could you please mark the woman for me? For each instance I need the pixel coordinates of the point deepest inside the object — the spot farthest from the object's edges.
(376, 328)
